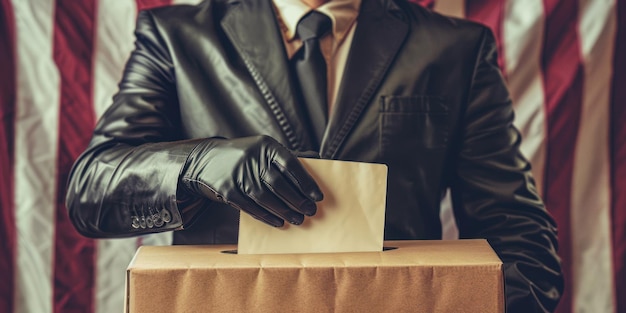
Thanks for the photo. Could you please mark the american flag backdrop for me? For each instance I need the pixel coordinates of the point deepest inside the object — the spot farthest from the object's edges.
(60, 61)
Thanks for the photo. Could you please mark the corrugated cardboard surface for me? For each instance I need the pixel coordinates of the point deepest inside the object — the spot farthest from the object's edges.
(419, 276)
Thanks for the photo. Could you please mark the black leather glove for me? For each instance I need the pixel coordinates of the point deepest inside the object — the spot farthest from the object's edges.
(306, 154)
(256, 175)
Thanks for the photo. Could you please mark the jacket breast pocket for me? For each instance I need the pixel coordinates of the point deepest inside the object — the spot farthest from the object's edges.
(408, 124)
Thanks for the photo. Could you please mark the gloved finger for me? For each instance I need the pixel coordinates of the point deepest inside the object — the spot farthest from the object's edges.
(253, 209)
(271, 203)
(293, 170)
(289, 194)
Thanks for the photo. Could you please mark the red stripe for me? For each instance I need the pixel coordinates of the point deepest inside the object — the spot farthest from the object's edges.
(74, 267)
(8, 86)
(563, 84)
(425, 3)
(490, 13)
(149, 4)
(618, 159)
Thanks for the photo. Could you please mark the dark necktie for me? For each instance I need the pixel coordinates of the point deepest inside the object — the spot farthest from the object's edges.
(310, 68)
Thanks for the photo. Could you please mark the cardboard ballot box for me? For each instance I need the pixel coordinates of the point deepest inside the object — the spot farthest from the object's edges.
(418, 276)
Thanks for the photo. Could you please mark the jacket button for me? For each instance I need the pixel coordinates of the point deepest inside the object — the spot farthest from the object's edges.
(135, 222)
(149, 222)
(158, 221)
(166, 216)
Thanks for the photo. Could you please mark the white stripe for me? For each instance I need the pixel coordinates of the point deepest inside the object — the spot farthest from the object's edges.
(523, 29)
(454, 8)
(449, 229)
(590, 210)
(36, 141)
(114, 42)
(113, 257)
(186, 1)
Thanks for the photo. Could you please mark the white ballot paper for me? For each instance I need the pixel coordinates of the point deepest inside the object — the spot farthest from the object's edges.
(351, 217)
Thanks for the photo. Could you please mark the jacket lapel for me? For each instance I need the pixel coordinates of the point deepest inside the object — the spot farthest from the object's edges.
(379, 34)
(253, 29)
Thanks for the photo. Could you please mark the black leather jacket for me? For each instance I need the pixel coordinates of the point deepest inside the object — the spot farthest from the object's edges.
(421, 93)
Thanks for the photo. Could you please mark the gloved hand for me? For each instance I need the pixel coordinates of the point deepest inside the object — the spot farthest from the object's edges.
(256, 175)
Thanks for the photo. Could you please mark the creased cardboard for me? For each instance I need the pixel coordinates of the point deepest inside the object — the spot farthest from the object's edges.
(418, 276)
(351, 217)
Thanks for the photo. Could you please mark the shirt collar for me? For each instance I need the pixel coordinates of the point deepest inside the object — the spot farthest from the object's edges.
(343, 14)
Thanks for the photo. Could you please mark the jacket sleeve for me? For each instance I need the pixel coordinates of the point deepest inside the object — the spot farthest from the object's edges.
(494, 194)
(126, 182)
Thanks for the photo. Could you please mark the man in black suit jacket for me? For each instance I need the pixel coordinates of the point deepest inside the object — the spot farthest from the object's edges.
(208, 118)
